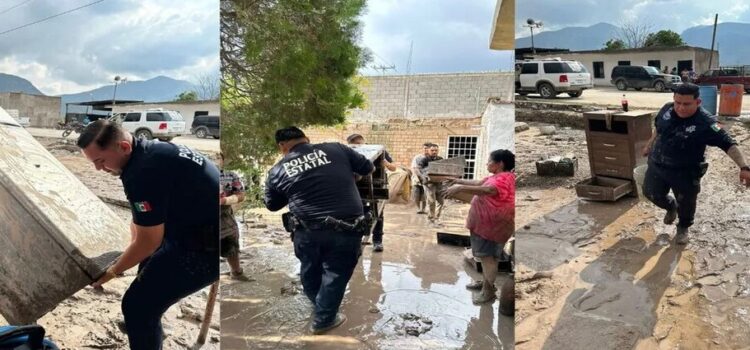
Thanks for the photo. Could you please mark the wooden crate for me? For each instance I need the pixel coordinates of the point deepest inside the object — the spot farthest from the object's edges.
(602, 188)
(57, 236)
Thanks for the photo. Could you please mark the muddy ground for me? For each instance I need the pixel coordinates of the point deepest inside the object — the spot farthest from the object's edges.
(90, 319)
(608, 276)
(411, 296)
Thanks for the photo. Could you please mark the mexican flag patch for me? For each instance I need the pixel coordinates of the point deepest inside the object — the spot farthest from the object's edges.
(142, 207)
(715, 127)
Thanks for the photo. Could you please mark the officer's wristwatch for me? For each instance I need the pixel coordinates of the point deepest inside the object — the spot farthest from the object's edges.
(745, 168)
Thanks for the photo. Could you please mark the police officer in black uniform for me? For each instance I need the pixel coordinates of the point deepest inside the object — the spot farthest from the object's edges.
(172, 191)
(676, 157)
(318, 183)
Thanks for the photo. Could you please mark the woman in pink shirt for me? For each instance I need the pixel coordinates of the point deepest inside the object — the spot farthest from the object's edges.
(491, 218)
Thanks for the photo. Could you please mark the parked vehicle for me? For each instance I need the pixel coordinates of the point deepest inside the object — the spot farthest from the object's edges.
(205, 126)
(643, 77)
(550, 77)
(718, 77)
(152, 123)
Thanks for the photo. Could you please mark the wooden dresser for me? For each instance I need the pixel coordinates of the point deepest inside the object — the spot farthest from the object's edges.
(615, 142)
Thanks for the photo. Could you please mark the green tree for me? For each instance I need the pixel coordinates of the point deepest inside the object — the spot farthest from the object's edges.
(290, 62)
(614, 44)
(187, 96)
(664, 38)
(285, 62)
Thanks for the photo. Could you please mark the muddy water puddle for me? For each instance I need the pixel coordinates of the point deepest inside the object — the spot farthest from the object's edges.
(411, 296)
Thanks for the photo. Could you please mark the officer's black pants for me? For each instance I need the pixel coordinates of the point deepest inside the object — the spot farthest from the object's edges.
(684, 183)
(328, 260)
(169, 275)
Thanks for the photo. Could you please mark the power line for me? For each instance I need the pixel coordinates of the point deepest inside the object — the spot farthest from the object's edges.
(15, 6)
(50, 17)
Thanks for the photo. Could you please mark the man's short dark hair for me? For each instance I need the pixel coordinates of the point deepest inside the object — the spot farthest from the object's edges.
(505, 156)
(102, 132)
(353, 137)
(426, 145)
(290, 133)
(687, 89)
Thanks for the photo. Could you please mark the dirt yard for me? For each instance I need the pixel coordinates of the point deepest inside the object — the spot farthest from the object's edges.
(608, 276)
(93, 320)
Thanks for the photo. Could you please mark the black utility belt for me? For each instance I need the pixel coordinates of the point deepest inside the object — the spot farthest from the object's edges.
(701, 168)
(329, 223)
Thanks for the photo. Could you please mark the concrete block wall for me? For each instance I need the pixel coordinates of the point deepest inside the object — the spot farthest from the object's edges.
(432, 95)
(42, 111)
(402, 138)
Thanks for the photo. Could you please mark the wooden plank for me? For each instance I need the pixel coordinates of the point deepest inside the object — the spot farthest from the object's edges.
(57, 235)
(457, 239)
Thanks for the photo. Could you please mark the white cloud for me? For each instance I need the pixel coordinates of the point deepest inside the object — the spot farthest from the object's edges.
(133, 38)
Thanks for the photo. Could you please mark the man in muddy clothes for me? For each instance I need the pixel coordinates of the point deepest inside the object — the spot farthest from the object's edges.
(676, 157)
(172, 192)
(318, 183)
(433, 190)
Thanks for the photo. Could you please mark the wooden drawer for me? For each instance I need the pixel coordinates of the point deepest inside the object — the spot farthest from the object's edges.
(612, 158)
(602, 188)
(613, 143)
(605, 169)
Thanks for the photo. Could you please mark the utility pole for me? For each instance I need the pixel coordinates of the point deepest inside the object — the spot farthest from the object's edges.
(713, 40)
(383, 68)
(531, 24)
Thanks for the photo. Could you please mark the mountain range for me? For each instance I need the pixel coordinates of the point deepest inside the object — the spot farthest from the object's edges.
(156, 89)
(728, 37)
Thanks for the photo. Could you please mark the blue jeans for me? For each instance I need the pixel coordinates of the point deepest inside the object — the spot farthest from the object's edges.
(169, 275)
(685, 183)
(328, 260)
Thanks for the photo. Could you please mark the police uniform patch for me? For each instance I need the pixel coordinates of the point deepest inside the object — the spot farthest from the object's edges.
(142, 207)
(715, 127)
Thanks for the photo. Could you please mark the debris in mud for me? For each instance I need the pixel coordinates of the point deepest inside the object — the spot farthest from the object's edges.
(413, 325)
(190, 312)
(530, 277)
(521, 126)
(374, 310)
(292, 288)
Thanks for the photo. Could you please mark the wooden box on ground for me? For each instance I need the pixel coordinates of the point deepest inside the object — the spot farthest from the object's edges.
(57, 236)
(557, 166)
(615, 141)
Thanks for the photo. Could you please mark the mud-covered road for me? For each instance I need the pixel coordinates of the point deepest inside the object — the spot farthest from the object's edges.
(608, 276)
(411, 296)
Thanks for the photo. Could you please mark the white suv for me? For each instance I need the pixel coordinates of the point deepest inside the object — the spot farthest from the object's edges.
(153, 123)
(550, 77)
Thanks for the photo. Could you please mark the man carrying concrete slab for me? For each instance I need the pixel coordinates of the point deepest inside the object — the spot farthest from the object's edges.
(172, 191)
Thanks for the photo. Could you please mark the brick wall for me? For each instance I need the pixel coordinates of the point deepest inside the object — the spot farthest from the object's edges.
(402, 138)
(433, 95)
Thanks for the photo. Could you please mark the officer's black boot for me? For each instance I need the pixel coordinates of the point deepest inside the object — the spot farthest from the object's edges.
(671, 215)
(682, 235)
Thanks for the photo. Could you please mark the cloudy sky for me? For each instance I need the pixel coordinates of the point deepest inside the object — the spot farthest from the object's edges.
(137, 39)
(448, 36)
(676, 15)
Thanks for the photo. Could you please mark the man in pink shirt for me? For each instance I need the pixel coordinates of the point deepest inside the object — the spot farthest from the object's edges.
(491, 218)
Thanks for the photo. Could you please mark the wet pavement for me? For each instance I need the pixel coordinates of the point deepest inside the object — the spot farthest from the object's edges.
(411, 296)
